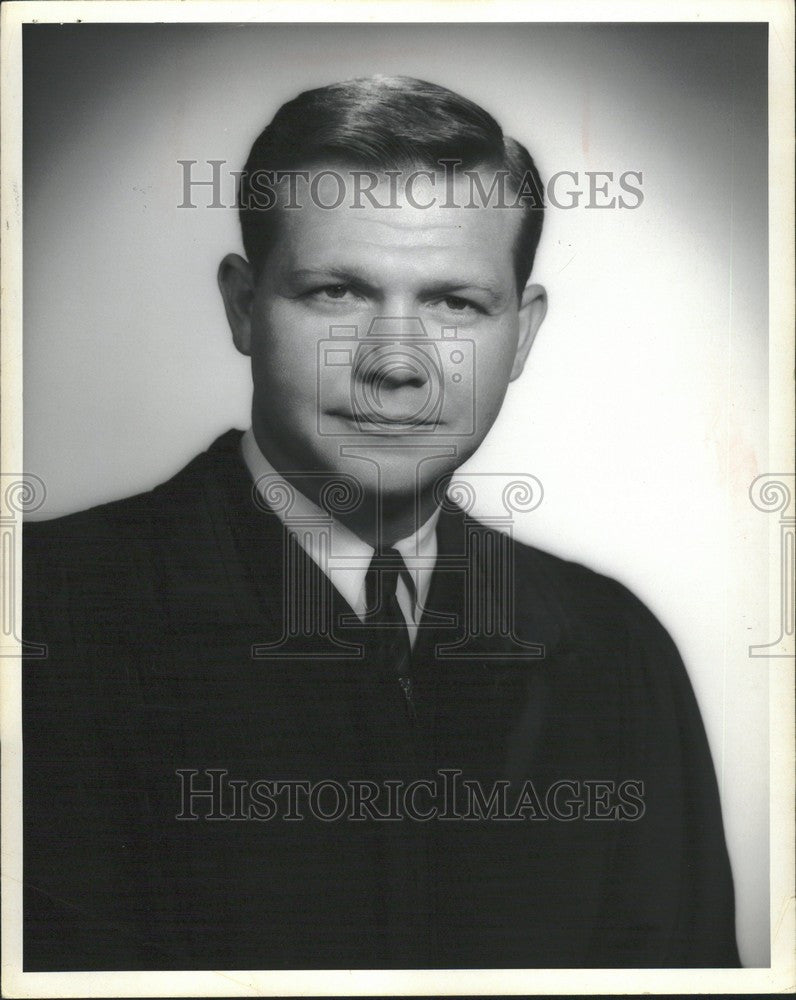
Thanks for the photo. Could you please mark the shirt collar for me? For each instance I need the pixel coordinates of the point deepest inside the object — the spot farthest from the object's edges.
(349, 556)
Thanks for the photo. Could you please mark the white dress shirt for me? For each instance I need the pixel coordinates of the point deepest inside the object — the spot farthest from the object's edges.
(349, 556)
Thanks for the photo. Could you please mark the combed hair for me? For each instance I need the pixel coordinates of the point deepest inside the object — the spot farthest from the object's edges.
(386, 123)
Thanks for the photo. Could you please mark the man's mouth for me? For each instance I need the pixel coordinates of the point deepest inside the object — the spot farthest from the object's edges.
(365, 422)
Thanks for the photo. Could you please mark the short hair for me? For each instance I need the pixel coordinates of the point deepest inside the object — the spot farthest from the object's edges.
(388, 123)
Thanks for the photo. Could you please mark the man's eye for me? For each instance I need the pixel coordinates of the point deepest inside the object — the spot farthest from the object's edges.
(457, 304)
(454, 302)
(332, 291)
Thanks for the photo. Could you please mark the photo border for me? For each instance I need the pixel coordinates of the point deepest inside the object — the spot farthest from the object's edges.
(780, 976)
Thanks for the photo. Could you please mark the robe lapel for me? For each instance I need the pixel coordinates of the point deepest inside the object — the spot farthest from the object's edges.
(488, 685)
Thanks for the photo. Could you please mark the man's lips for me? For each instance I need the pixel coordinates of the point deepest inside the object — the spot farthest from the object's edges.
(393, 421)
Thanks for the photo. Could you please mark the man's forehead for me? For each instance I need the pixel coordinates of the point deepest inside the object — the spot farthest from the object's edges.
(400, 208)
(380, 252)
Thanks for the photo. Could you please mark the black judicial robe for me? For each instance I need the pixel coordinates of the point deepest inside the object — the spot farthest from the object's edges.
(150, 609)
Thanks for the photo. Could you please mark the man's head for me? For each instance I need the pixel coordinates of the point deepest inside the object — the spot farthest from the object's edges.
(386, 124)
(390, 230)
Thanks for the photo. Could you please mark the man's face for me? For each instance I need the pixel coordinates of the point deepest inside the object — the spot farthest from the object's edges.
(432, 332)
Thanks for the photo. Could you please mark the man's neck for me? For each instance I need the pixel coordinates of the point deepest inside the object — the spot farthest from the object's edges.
(379, 519)
(381, 523)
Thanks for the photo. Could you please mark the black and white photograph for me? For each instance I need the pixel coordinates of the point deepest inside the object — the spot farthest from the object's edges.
(397, 499)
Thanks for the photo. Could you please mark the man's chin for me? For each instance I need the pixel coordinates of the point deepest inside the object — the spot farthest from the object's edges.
(392, 467)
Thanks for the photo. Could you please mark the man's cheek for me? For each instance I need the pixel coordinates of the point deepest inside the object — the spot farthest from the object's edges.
(491, 367)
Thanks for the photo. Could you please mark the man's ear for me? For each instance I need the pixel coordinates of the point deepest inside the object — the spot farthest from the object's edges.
(237, 283)
(533, 309)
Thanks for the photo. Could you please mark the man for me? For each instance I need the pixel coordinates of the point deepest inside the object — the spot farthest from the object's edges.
(299, 710)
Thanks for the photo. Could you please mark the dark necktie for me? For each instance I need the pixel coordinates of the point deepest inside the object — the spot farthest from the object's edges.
(385, 620)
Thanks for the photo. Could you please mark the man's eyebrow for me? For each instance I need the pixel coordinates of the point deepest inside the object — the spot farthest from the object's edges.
(495, 294)
(444, 286)
(330, 271)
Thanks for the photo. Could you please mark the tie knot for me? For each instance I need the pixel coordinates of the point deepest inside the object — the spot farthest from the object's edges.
(381, 581)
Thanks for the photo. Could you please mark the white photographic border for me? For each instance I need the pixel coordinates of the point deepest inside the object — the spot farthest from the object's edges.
(780, 976)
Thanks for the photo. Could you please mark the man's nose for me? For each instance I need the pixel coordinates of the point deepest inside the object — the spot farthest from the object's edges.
(391, 366)
(391, 369)
(392, 355)
(396, 326)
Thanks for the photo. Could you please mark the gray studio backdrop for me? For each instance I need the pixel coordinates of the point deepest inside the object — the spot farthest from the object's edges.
(643, 409)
